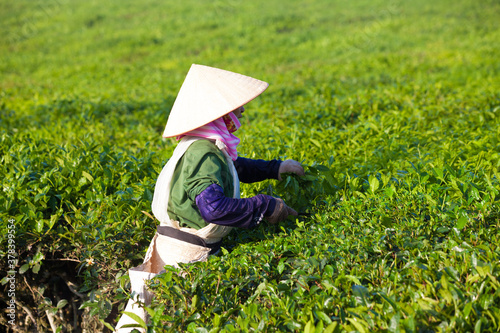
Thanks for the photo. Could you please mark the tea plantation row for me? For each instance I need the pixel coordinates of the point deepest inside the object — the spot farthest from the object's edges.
(392, 106)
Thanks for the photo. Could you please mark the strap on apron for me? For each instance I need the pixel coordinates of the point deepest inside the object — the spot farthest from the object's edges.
(188, 238)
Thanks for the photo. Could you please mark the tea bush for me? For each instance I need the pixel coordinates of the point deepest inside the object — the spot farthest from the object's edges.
(393, 108)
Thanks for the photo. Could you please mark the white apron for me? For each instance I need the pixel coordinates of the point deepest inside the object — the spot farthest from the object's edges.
(165, 250)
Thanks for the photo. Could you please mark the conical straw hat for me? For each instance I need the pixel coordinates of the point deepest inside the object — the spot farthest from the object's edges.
(207, 94)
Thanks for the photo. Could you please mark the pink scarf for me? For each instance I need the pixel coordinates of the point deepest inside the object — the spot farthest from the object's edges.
(222, 130)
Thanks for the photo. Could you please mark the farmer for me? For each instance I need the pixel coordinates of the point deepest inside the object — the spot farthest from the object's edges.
(196, 197)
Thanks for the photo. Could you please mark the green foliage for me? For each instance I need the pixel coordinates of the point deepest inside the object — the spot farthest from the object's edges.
(393, 107)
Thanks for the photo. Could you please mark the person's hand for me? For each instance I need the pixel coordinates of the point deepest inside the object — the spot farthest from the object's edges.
(290, 166)
(281, 212)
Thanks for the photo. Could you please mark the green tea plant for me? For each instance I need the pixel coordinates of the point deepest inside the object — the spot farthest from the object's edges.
(393, 108)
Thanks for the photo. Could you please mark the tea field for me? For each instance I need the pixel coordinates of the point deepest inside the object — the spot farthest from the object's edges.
(393, 107)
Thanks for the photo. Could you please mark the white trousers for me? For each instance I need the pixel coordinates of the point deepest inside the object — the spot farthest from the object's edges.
(162, 251)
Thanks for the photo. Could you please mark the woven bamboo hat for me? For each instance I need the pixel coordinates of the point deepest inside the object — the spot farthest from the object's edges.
(207, 94)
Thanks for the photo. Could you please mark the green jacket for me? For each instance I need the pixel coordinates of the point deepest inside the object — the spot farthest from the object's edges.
(202, 165)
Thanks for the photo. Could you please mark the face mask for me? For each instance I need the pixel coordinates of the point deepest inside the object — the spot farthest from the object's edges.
(232, 122)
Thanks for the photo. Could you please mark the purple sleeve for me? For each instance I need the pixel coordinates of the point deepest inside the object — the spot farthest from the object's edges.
(216, 208)
(251, 171)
